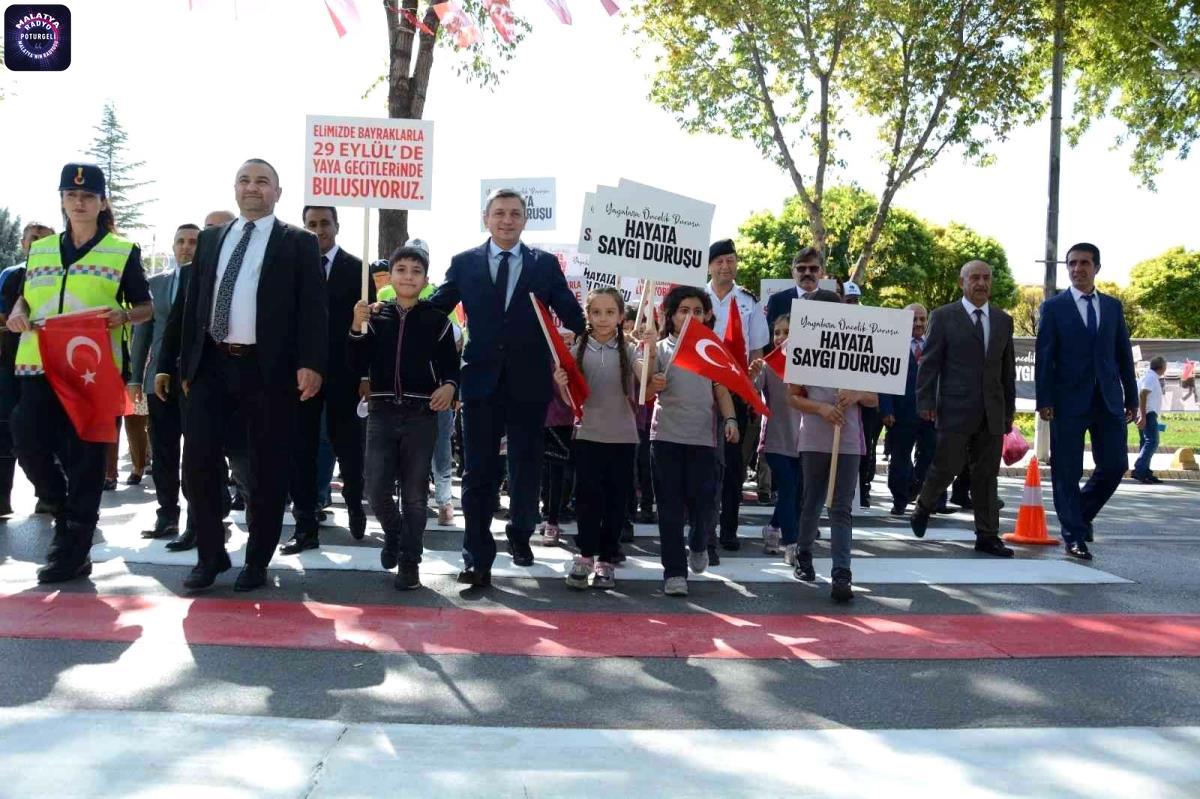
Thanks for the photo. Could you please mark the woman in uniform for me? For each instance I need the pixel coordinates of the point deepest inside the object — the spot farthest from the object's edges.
(87, 266)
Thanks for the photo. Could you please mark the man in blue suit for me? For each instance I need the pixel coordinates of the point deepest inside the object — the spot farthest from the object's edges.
(807, 269)
(507, 377)
(1085, 384)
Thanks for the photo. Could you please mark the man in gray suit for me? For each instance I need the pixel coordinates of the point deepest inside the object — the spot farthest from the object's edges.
(966, 385)
(165, 420)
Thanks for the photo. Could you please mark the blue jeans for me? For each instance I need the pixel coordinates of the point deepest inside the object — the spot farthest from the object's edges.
(1149, 441)
(816, 482)
(785, 478)
(442, 462)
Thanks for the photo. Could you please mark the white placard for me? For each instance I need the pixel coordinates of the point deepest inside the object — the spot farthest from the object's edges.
(773, 285)
(649, 233)
(368, 162)
(540, 210)
(848, 346)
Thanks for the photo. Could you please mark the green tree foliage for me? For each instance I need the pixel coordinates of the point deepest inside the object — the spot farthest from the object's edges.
(10, 239)
(914, 261)
(931, 75)
(1138, 61)
(110, 149)
(1167, 291)
(1028, 310)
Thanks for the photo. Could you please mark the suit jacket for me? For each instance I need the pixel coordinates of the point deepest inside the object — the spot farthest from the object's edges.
(903, 406)
(508, 342)
(958, 381)
(167, 360)
(780, 303)
(343, 288)
(148, 336)
(1071, 364)
(292, 326)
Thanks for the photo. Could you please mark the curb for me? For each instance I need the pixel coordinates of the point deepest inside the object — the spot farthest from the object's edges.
(1044, 471)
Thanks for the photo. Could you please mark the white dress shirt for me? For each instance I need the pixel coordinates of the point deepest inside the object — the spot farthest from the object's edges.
(1082, 305)
(514, 267)
(754, 317)
(243, 312)
(328, 262)
(987, 322)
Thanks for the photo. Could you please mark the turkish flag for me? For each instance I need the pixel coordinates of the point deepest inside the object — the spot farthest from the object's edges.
(577, 387)
(777, 360)
(502, 17)
(701, 352)
(734, 339)
(78, 360)
(457, 23)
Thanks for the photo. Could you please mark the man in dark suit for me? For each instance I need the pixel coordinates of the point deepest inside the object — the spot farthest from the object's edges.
(966, 385)
(807, 268)
(1085, 384)
(253, 341)
(338, 400)
(506, 376)
(166, 421)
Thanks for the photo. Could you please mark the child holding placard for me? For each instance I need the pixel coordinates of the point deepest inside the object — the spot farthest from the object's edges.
(822, 410)
(780, 446)
(684, 443)
(605, 439)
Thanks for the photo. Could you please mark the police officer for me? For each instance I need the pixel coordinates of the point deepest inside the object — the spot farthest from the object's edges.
(724, 291)
(87, 266)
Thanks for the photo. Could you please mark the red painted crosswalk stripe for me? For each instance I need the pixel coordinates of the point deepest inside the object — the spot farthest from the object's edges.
(575, 634)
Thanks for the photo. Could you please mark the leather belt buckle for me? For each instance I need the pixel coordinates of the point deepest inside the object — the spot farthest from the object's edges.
(234, 350)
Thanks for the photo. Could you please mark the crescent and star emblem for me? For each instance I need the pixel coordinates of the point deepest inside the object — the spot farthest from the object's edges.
(702, 347)
(83, 341)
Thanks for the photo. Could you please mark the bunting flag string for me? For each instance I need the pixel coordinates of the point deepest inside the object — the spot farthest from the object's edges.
(502, 17)
(457, 23)
(415, 21)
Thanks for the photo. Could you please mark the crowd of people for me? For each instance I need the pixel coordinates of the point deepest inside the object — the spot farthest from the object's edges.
(259, 365)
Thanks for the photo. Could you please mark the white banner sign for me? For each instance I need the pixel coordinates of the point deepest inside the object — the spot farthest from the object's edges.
(773, 285)
(540, 213)
(848, 346)
(366, 162)
(649, 233)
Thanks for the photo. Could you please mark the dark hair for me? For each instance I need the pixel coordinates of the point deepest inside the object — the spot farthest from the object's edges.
(1083, 246)
(630, 313)
(825, 295)
(187, 226)
(1158, 362)
(328, 208)
(265, 163)
(415, 253)
(808, 254)
(106, 222)
(504, 194)
(622, 353)
(675, 298)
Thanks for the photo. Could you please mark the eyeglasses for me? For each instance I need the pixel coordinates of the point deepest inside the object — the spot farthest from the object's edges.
(811, 270)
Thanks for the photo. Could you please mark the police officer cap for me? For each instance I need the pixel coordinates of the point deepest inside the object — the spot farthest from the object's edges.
(87, 177)
(719, 248)
(380, 266)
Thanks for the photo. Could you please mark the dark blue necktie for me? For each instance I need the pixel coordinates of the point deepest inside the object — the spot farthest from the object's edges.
(1092, 327)
(502, 280)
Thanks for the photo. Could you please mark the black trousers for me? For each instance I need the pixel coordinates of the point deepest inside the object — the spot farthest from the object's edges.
(872, 425)
(54, 456)
(734, 475)
(643, 478)
(685, 478)
(166, 430)
(8, 458)
(602, 495)
(981, 451)
(400, 441)
(225, 389)
(903, 471)
(339, 404)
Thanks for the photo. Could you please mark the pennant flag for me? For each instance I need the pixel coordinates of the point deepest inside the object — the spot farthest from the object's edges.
(344, 15)
(77, 356)
(502, 17)
(611, 7)
(701, 352)
(457, 24)
(559, 7)
(460, 315)
(414, 20)
(577, 387)
(777, 360)
(734, 339)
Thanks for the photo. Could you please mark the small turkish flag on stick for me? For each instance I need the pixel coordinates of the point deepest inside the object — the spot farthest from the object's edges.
(777, 360)
(577, 387)
(701, 352)
(77, 356)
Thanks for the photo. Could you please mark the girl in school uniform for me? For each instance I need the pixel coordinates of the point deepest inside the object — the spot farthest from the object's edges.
(683, 445)
(780, 447)
(605, 439)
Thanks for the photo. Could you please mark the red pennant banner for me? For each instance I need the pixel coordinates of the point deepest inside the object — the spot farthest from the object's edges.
(701, 352)
(77, 356)
(611, 7)
(457, 24)
(777, 360)
(343, 14)
(734, 339)
(415, 21)
(559, 7)
(577, 387)
(502, 17)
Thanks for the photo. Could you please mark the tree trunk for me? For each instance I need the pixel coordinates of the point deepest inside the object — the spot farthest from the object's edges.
(408, 85)
(859, 273)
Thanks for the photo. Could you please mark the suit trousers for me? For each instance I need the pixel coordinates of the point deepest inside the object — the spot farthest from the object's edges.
(339, 408)
(485, 421)
(981, 451)
(872, 426)
(734, 475)
(903, 471)
(1077, 508)
(8, 459)
(228, 388)
(166, 429)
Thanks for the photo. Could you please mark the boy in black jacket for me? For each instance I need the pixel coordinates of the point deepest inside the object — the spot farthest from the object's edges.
(408, 351)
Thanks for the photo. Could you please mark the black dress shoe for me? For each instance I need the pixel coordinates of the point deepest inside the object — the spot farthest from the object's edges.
(992, 545)
(133, 479)
(522, 554)
(50, 507)
(919, 521)
(203, 575)
(162, 530)
(237, 503)
(1079, 551)
(251, 577)
(186, 541)
(945, 509)
(6, 509)
(389, 556)
(478, 579)
(358, 525)
(408, 578)
(731, 544)
(714, 556)
(299, 543)
(110, 484)
(627, 536)
(897, 510)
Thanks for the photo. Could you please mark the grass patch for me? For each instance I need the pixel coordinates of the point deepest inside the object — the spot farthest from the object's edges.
(1183, 430)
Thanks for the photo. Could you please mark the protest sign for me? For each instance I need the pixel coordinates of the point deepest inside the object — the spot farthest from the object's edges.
(647, 232)
(848, 346)
(371, 163)
(773, 285)
(539, 193)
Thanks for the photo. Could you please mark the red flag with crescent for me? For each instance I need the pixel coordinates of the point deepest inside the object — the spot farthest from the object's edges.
(456, 23)
(77, 357)
(776, 359)
(700, 351)
(502, 18)
(577, 387)
(734, 338)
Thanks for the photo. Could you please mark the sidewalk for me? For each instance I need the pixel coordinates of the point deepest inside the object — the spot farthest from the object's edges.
(1160, 464)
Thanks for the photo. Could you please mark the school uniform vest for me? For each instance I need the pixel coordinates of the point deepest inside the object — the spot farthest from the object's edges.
(52, 289)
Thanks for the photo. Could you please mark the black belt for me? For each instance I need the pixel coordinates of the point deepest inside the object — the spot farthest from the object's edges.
(397, 402)
(235, 350)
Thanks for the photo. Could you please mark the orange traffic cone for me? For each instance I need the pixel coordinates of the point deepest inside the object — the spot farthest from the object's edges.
(1031, 518)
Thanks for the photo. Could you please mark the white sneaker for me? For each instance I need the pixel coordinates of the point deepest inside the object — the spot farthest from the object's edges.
(603, 576)
(675, 586)
(551, 535)
(771, 539)
(581, 569)
(698, 561)
(446, 515)
(789, 554)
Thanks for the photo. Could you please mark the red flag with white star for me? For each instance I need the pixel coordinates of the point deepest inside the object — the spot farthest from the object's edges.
(700, 351)
(77, 356)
